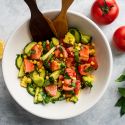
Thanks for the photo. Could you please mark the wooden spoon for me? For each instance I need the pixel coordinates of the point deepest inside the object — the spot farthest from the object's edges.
(60, 22)
(40, 28)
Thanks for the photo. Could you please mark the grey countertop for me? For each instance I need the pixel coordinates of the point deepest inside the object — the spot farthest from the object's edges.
(14, 12)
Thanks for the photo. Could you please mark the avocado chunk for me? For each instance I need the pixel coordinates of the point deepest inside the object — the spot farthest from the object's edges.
(88, 80)
(55, 41)
(38, 80)
(74, 99)
(69, 39)
(55, 75)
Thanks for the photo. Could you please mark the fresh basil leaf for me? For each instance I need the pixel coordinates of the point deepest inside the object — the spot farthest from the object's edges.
(122, 111)
(120, 101)
(121, 78)
(66, 76)
(73, 84)
(122, 91)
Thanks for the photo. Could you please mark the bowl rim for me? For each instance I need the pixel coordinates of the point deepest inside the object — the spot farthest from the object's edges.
(107, 82)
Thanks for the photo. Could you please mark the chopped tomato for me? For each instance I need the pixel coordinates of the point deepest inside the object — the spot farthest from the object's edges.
(28, 66)
(37, 52)
(57, 53)
(84, 53)
(70, 62)
(71, 72)
(82, 68)
(70, 51)
(77, 88)
(67, 88)
(67, 82)
(93, 62)
(51, 89)
(61, 77)
(54, 65)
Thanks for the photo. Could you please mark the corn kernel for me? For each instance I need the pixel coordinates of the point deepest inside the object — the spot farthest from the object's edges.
(53, 53)
(47, 42)
(40, 43)
(35, 62)
(25, 56)
(47, 77)
(61, 55)
(79, 44)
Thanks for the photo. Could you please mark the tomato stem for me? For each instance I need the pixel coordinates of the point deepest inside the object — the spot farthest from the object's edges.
(105, 8)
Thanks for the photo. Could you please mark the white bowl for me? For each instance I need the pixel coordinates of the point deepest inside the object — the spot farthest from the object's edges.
(60, 110)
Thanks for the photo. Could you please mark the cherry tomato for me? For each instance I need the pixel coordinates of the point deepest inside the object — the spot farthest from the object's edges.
(71, 72)
(104, 11)
(54, 65)
(67, 88)
(67, 82)
(119, 38)
(77, 88)
(93, 62)
(70, 62)
(82, 68)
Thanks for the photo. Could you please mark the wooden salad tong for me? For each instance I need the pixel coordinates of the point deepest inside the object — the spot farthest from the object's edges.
(41, 27)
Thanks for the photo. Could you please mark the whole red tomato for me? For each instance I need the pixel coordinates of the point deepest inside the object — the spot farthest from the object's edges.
(119, 38)
(104, 11)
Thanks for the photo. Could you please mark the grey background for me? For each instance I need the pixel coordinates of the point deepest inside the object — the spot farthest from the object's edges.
(14, 12)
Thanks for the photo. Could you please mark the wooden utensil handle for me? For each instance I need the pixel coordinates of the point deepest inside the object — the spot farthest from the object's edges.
(33, 6)
(66, 4)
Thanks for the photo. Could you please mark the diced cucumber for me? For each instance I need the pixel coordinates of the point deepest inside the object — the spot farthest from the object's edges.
(28, 47)
(31, 89)
(85, 39)
(38, 97)
(55, 74)
(19, 61)
(76, 54)
(44, 57)
(76, 34)
(21, 71)
(55, 41)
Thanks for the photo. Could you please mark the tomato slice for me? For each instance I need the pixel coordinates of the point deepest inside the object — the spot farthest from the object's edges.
(71, 72)
(51, 89)
(67, 88)
(70, 62)
(82, 68)
(84, 53)
(57, 53)
(54, 65)
(93, 62)
(28, 66)
(37, 52)
(77, 88)
(67, 82)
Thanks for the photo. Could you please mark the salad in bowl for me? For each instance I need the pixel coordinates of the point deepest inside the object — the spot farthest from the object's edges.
(58, 69)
